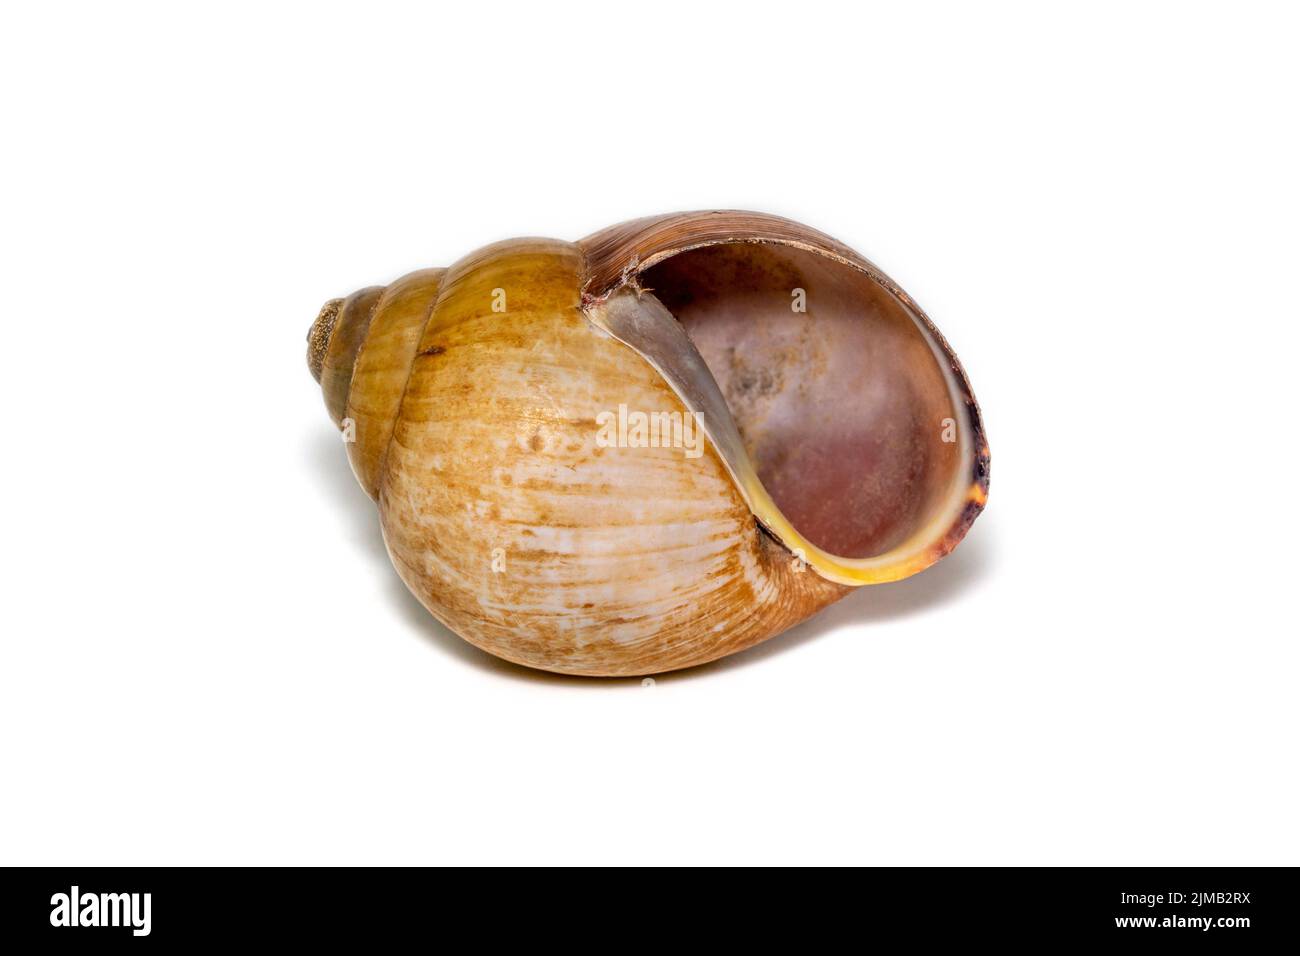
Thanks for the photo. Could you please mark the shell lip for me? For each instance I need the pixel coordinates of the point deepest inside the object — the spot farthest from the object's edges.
(968, 491)
(615, 254)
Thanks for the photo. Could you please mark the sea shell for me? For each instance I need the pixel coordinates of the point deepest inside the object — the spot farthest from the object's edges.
(656, 446)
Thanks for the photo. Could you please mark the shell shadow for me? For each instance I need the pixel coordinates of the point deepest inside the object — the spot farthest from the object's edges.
(941, 584)
(933, 588)
(328, 459)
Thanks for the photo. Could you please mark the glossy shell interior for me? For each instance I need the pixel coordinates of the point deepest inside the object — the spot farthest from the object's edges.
(840, 411)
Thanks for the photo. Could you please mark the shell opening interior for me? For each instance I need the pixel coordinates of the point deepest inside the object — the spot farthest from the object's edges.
(842, 398)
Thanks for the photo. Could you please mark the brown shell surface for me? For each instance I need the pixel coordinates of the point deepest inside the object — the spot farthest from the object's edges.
(521, 534)
(383, 367)
(346, 339)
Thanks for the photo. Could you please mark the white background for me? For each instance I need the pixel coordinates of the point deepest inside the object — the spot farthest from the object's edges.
(206, 657)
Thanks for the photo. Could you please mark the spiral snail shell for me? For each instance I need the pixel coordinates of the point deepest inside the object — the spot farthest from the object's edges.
(532, 420)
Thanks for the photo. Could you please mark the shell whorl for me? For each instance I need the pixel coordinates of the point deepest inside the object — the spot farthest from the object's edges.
(361, 349)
